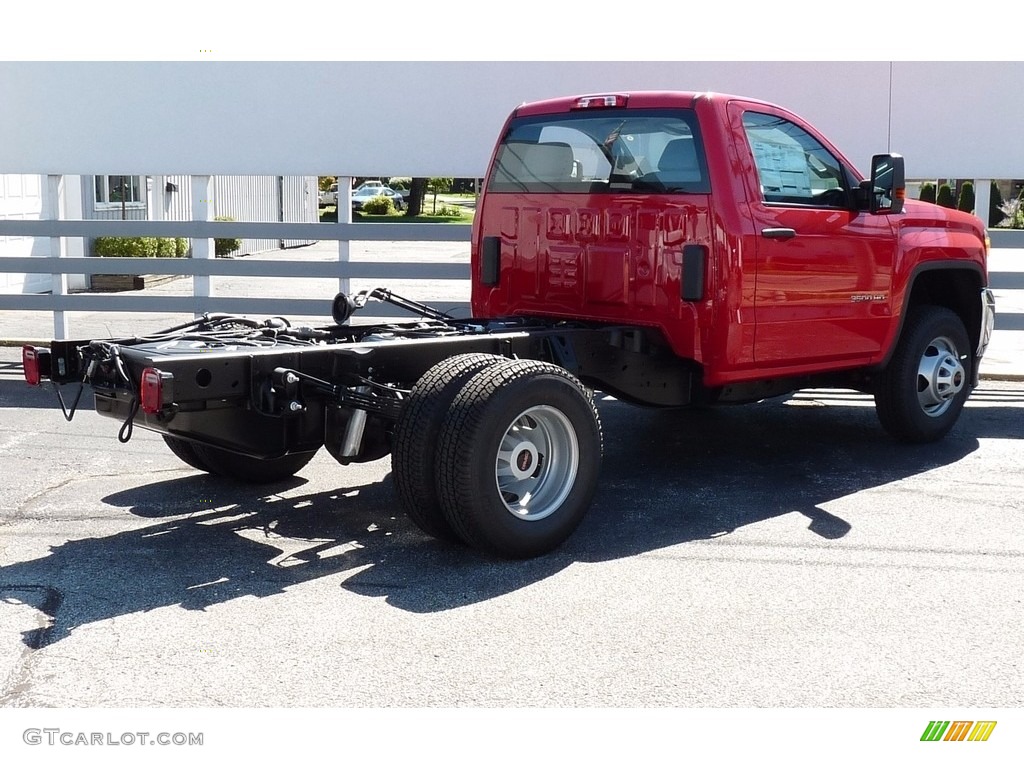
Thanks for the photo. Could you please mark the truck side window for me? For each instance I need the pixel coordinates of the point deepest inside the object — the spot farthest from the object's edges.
(794, 168)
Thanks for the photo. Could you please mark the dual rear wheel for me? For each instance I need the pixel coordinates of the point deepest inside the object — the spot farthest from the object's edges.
(502, 455)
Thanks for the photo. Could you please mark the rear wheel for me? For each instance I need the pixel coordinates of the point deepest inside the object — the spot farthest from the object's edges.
(519, 458)
(923, 389)
(248, 469)
(186, 451)
(414, 447)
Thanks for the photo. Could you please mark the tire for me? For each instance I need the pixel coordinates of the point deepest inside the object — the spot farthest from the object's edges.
(519, 458)
(247, 469)
(414, 446)
(186, 451)
(922, 391)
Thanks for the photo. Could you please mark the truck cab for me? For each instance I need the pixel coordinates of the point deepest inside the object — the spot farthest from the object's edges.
(746, 243)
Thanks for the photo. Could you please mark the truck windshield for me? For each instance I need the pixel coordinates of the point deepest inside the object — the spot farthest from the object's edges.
(611, 150)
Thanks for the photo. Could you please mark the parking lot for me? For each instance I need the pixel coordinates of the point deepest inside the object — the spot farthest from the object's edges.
(786, 554)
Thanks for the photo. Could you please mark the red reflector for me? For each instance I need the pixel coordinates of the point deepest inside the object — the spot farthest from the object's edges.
(590, 102)
(30, 364)
(151, 391)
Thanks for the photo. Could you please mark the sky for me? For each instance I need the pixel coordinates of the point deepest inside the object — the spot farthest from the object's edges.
(536, 30)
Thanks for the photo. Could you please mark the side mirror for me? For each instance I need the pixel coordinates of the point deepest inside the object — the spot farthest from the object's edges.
(888, 187)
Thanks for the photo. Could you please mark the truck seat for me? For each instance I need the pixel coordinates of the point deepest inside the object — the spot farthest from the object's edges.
(678, 163)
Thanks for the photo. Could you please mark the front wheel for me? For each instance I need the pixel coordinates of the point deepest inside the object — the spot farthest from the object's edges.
(518, 458)
(921, 392)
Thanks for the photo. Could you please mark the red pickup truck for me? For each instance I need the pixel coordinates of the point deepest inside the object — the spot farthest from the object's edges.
(666, 248)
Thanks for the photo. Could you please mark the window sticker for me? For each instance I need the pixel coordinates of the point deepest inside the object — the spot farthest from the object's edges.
(782, 168)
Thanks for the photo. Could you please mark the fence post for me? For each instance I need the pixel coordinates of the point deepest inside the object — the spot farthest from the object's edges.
(202, 247)
(982, 199)
(58, 280)
(344, 246)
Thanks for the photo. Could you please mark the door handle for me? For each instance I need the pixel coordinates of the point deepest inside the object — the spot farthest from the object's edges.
(778, 233)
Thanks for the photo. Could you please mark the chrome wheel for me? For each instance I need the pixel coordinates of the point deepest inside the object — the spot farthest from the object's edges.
(940, 376)
(537, 462)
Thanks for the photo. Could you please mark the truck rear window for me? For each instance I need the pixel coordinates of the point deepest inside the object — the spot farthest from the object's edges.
(614, 150)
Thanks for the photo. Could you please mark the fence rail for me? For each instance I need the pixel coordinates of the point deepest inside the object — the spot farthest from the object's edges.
(342, 269)
(91, 265)
(256, 230)
(60, 301)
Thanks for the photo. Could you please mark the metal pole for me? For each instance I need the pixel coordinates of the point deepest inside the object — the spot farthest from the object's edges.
(202, 248)
(344, 201)
(58, 280)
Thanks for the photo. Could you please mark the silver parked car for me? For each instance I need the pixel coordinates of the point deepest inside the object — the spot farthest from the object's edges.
(365, 193)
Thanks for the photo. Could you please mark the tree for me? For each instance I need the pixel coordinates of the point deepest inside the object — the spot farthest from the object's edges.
(928, 192)
(417, 191)
(945, 196)
(439, 185)
(966, 200)
(995, 206)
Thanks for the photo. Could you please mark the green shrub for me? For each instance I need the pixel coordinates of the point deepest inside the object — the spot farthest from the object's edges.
(928, 192)
(380, 206)
(222, 246)
(450, 210)
(126, 247)
(1014, 212)
(141, 247)
(945, 196)
(966, 200)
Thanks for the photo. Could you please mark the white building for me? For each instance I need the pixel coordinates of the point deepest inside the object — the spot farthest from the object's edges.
(21, 197)
(159, 198)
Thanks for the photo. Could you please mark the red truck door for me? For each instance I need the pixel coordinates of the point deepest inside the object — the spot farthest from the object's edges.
(823, 268)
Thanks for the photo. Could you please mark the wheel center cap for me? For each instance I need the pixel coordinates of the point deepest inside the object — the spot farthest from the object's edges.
(949, 377)
(524, 460)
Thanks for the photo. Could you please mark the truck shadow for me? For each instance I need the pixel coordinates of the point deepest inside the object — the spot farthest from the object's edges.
(668, 478)
(15, 393)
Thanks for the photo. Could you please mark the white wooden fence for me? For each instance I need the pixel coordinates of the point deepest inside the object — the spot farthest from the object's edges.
(60, 301)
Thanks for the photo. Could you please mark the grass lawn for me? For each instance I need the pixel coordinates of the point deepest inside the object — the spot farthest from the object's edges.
(330, 214)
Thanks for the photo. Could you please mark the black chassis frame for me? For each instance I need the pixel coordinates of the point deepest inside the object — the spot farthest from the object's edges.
(268, 402)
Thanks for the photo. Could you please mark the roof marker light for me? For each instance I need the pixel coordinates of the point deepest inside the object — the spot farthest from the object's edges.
(592, 102)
